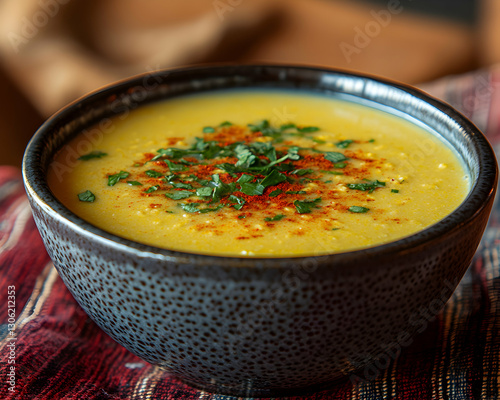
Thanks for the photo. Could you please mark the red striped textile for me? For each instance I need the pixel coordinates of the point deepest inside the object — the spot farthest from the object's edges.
(57, 352)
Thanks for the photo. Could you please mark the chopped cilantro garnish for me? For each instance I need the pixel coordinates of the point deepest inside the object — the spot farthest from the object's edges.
(394, 191)
(194, 207)
(306, 206)
(180, 185)
(252, 189)
(245, 178)
(335, 229)
(152, 189)
(308, 129)
(319, 141)
(153, 174)
(86, 196)
(92, 155)
(208, 129)
(296, 192)
(358, 209)
(371, 141)
(335, 157)
(238, 200)
(301, 172)
(344, 144)
(366, 187)
(179, 194)
(340, 165)
(275, 193)
(225, 123)
(259, 126)
(293, 153)
(273, 178)
(221, 189)
(134, 183)
(284, 127)
(245, 156)
(113, 179)
(277, 217)
(242, 216)
(175, 167)
(204, 191)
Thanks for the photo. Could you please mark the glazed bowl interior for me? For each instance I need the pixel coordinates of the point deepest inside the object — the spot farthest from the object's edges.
(406, 102)
(260, 326)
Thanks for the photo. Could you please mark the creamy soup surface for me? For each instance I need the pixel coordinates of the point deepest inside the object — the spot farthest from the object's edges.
(259, 173)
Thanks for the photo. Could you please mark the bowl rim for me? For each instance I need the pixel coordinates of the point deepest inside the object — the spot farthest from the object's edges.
(481, 192)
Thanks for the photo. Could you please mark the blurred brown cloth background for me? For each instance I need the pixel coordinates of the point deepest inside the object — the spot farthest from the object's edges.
(54, 51)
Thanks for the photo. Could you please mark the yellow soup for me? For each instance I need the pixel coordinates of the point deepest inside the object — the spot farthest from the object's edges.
(257, 173)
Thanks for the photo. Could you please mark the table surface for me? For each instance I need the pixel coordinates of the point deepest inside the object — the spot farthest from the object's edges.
(60, 353)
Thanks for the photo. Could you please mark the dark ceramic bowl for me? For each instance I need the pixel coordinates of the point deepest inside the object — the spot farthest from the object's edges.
(257, 326)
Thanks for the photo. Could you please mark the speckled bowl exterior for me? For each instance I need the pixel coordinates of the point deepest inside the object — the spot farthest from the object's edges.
(256, 326)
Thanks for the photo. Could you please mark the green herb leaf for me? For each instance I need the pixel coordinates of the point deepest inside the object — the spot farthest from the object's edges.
(86, 196)
(174, 153)
(153, 174)
(278, 217)
(319, 141)
(259, 126)
(190, 207)
(134, 183)
(394, 191)
(366, 187)
(92, 155)
(208, 129)
(306, 206)
(238, 200)
(152, 189)
(252, 189)
(221, 189)
(244, 179)
(308, 129)
(340, 165)
(193, 207)
(245, 157)
(293, 153)
(358, 209)
(179, 194)
(284, 127)
(335, 157)
(275, 193)
(296, 192)
(371, 141)
(273, 178)
(175, 167)
(204, 191)
(180, 185)
(265, 148)
(225, 123)
(344, 144)
(301, 172)
(113, 179)
(242, 216)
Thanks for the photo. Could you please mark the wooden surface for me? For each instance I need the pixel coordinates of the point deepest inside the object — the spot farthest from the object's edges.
(94, 43)
(18, 121)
